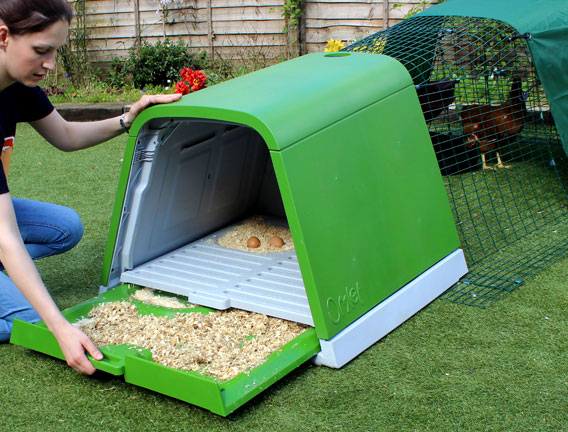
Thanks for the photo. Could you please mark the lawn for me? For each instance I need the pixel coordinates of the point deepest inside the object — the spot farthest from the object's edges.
(450, 368)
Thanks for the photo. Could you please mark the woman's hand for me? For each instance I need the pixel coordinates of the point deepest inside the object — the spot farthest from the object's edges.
(71, 136)
(147, 101)
(14, 255)
(73, 343)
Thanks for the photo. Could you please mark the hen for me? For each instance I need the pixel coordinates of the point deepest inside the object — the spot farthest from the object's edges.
(492, 127)
(454, 157)
(435, 96)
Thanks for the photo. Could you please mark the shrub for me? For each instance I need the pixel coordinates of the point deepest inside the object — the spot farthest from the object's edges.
(150, 64)
(116, 74)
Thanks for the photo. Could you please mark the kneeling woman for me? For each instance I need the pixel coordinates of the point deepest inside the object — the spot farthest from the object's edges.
(31, 31)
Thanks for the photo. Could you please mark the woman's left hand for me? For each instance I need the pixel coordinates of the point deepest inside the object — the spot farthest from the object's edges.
(147, 101)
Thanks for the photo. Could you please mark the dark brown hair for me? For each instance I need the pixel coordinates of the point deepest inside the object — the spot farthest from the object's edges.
(30, 16)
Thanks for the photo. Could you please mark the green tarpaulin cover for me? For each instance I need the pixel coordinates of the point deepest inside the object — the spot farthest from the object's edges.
(547, 23)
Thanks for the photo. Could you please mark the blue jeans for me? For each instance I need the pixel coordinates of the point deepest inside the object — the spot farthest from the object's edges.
(47, 229)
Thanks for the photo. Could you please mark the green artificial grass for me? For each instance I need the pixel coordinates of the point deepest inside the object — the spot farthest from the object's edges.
(449, 368)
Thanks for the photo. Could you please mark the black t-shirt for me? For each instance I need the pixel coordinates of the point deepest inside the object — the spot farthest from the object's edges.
(19, 103)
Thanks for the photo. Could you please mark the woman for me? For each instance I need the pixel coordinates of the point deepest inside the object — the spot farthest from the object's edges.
(31, 31)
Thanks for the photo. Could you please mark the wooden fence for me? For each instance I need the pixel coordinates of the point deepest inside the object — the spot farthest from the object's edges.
(233, 29)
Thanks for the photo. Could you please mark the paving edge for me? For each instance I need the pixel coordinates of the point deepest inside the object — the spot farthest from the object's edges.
(90, 111)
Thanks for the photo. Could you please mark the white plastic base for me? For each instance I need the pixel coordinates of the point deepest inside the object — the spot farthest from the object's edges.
(392, 312)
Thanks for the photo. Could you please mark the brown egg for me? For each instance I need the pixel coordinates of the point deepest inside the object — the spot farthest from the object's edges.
(253, 242)
(277, 242)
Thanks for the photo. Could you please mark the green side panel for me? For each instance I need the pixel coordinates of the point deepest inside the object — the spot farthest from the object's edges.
(135, 363)
(547, 23)
(367, 208)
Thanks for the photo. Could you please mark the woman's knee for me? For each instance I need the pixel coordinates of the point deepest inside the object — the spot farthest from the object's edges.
(47, 228)
(74, 229)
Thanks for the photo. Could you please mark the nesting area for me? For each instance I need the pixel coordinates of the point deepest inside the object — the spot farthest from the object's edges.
(221, 343)
(256, 226)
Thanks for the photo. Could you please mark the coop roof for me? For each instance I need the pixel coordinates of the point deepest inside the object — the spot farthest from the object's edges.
(547, 23)
(270, 99)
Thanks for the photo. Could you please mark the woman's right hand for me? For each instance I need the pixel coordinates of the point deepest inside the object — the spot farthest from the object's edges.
(19, 266)
(73, 343)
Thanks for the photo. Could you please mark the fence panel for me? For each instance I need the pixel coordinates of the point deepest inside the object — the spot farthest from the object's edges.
(233, 29)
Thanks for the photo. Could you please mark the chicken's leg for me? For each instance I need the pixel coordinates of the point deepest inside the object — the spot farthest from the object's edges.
(485, 166)
(500, 163)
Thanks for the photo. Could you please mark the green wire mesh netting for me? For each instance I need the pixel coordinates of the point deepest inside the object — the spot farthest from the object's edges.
(497, 147)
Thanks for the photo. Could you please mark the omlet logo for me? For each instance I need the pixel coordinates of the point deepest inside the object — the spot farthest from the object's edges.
(339, 306)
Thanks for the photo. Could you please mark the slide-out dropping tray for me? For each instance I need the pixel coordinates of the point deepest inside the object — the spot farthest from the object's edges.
(220, 397)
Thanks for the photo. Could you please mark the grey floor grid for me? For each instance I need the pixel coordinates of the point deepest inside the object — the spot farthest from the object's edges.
(217, 277)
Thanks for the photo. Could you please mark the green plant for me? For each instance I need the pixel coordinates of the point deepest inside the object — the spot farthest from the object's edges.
(291, 11)
(156, 64)
(116, 75)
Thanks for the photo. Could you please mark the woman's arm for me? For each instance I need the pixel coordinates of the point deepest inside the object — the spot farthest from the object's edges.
(71, 136)
(22, 271)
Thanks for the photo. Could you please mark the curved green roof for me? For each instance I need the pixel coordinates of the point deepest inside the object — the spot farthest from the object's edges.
(547, 23)
(276, 100)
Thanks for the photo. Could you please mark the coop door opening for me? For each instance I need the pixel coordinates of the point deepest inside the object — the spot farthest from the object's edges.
(192, 183)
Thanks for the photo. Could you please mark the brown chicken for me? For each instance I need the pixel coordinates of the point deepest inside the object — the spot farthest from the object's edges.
(492, 127)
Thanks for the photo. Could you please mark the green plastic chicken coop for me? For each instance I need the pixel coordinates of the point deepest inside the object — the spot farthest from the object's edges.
(335, 147)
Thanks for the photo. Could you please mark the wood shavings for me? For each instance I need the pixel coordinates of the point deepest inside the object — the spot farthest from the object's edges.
(83, 322)
(223, 343)
(147, 295)
(256, 226)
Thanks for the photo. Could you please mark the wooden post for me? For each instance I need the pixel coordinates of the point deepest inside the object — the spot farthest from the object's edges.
(210, 34)
(386, 13)
(137, 23)
(164, 21)
(287, 35)
(302, 30)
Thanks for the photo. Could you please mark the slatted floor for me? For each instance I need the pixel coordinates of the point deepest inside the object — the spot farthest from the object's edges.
(218, 277)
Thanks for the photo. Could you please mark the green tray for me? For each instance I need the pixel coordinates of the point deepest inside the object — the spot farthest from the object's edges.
(220, 397)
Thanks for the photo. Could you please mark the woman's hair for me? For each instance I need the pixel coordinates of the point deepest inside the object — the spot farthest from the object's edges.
(30, 16)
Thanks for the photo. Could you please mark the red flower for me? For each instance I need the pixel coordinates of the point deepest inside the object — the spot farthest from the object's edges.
(198, 80)
(192, 81)
(182, 87)
(186, 74)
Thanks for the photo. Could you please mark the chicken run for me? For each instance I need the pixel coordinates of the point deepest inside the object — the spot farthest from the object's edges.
(493, 131)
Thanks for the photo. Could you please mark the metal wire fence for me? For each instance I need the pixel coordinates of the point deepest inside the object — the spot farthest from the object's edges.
(496, 144)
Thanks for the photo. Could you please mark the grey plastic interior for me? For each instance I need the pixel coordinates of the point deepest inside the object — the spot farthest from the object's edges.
(190, 180)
